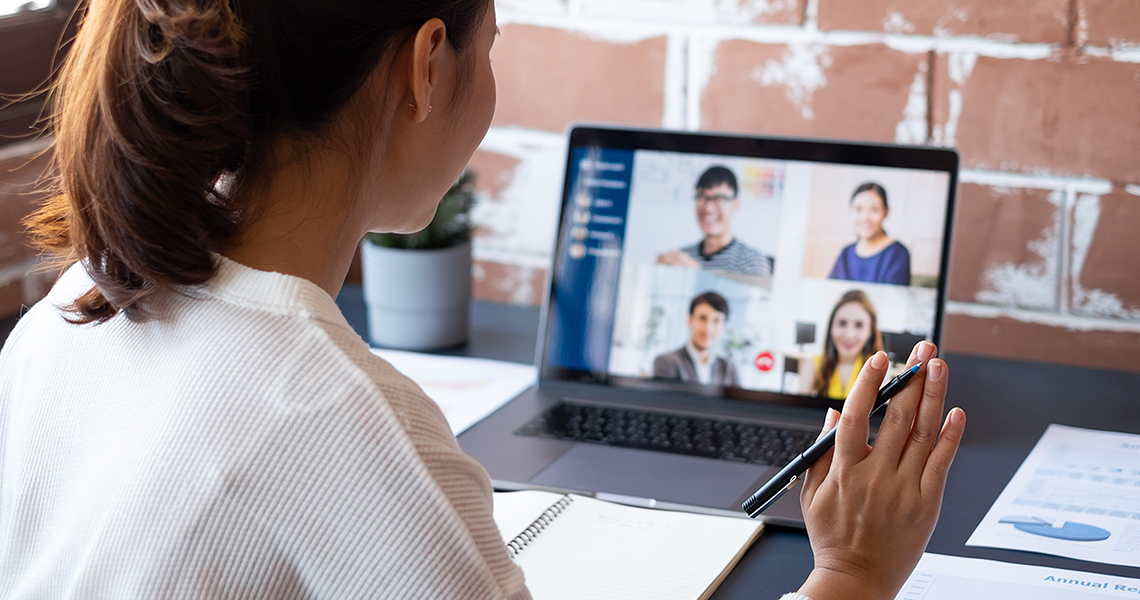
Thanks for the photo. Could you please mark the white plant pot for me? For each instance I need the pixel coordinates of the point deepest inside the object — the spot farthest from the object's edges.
(417, 299)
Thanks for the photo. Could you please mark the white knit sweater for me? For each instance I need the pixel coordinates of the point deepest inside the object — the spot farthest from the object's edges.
(244, 445)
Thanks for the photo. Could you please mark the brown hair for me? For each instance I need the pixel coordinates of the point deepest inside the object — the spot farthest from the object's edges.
(830, 360)
(871, 186)
(717, 175)
(164, 112)
(713, 299)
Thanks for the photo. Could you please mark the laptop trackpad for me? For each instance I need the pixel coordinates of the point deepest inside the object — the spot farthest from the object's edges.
(646, 474)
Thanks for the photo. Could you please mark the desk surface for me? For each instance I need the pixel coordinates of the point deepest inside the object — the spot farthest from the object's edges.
(1009, 405)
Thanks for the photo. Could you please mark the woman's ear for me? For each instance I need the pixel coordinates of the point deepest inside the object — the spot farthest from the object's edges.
(428, 53)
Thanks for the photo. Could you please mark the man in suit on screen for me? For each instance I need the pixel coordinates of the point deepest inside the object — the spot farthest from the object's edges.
(697, 361)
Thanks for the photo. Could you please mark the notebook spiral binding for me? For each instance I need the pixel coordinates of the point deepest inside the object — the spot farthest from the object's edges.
(543, 521)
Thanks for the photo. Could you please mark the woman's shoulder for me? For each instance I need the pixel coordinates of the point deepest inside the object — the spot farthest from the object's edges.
(283, 330)
(896, 251)
(896, 247)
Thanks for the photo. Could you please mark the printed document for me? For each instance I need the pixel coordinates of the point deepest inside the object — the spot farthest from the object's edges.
(467, 389)
(940, 577)
(1076, 495)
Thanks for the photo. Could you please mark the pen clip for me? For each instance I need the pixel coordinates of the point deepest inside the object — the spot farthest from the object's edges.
(780, 494)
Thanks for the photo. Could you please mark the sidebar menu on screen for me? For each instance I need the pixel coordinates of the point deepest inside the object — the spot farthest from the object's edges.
(589, 259)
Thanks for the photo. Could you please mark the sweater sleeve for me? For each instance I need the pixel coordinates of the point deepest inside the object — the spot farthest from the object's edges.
(338, 503)
(460, 477)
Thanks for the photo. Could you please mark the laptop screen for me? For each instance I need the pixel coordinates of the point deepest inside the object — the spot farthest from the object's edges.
(744, 267)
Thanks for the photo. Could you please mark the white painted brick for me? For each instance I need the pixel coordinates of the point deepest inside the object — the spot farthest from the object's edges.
(688, 12)
(676, 89)
(1071, 322)
(538, 7)
(523, 220)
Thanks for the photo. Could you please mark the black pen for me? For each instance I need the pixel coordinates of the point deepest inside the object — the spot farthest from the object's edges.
(783, 481)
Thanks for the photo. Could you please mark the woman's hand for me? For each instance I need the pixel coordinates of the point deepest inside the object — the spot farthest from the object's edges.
(870, 511)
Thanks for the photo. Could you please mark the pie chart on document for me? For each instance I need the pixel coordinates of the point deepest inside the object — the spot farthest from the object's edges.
(1063, 530)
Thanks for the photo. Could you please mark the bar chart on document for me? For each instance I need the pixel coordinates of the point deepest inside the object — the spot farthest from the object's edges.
(1076, 495)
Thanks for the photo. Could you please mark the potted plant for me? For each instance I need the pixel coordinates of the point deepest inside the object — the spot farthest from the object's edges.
(418, 287)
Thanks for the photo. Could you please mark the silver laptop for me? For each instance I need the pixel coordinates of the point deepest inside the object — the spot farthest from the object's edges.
(711, 295)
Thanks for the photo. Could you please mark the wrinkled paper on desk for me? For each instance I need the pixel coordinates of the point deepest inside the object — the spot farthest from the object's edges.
(941, 577)
(1076, 495)
(466, 389)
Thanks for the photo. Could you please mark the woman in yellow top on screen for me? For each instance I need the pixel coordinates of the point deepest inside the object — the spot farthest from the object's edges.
(875, 256)
(852, 336)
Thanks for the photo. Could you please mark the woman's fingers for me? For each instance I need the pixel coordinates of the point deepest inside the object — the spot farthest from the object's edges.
(899, 421)
(818, 471)
(937, 466)
(854, 428)
(829, 420)
(927, 423)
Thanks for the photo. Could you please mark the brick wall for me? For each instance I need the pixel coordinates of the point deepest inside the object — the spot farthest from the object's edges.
(1041, 97)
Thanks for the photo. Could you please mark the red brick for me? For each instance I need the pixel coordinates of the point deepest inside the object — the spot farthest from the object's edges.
(1075, 116)
(1013, 339)
(493, 172)
(1012, 20)
(1113, 22)
(1108, 284)
(496, 282)
(994, 228)
(548, 78)
(857, 92)
(740, 12)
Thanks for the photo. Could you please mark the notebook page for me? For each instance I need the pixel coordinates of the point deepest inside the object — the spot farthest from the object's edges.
(601, 550)
(515, 511)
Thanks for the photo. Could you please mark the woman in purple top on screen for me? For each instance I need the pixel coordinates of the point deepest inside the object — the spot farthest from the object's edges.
(876, 256)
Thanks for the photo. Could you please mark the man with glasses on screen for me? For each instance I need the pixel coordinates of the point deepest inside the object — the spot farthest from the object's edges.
(716, 203)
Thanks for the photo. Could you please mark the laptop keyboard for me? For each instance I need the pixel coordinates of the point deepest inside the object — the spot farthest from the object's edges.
(693, 436)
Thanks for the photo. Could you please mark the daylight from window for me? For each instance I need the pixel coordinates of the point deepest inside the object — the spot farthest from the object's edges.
(11, 7)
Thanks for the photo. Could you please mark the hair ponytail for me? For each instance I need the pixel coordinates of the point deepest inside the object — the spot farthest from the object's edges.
(164, 108)
(151, 111)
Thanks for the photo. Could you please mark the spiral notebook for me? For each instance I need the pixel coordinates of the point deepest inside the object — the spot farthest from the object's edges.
(575, 547)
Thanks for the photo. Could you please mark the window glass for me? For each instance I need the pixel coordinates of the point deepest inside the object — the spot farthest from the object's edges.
(12, 7)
